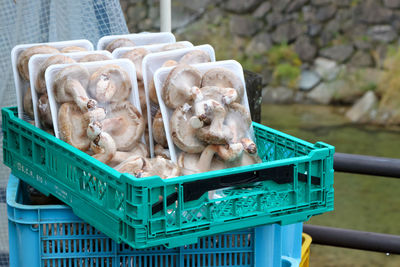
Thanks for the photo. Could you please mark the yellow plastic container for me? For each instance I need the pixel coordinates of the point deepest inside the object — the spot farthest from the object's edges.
(305, 250)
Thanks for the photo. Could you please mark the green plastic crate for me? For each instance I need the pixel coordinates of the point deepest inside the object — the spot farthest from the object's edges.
(294, 182)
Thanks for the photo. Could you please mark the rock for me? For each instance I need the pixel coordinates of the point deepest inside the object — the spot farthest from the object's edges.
(382, 33)
(197, 6)
(322, 94)
(332, 27)
(371, 11)
(295, 5)
(325, 13)
(244, 25)
(343, 15)
(339, 53)
(308, 13)
(287, 32)
(314, 29)
(279, 5)
(308, 80)
(361, 110)
(392, 3)
(278, 95)
(239, 6)
(325, 68)
(361, 59)
(275, 19)
(321, 2)
(343, 3)
(261, 43)
(305, 49)
(362, 44)
(262, 10)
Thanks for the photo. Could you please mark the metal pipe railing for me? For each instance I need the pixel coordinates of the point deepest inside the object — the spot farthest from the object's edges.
(346, 238)
(368, 165)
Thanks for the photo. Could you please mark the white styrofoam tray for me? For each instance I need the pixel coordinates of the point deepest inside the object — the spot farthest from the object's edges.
(52, 71)
(153, 48)
(153, 62)
(21, 85)
(161, 75)
(35, 64)
(143, 38)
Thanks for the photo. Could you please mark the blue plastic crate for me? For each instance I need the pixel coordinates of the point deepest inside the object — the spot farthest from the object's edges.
(52, 235)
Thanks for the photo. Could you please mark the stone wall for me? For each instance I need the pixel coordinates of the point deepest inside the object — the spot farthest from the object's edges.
(314, 51)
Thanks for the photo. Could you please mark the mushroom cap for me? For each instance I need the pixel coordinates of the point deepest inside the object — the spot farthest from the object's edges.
(223, 77)
(172, 46)
(136, 55)
(40, 85)
(120, 42)
(24, 57)
(94, 57)
(28, 104)
(159, 150)
(110, 83)
(183, 135)
(159, 130)
(72, 126)
(140, 150)
(44, 111)
(177, 87)
(72, 49)
(69, 73)
(219, 94)
(238, 119)
(162, 167)
(131, 165)
(125, 124)
(195, 57)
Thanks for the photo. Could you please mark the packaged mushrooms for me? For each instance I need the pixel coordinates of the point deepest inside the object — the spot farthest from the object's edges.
(112, 42)
(206, 116)
(20, 56)
(95, 107)
(37, 67)
(154, 61)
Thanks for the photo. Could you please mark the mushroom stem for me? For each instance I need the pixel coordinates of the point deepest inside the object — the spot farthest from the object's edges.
(105, 147)
(75, 89)
(230, 152)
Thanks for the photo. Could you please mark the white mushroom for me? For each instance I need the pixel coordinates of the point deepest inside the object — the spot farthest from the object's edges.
(40, 84)
(110, 83)
(177, 88)
(159, 150)
(120, 42)
(24, 57)
(103, 147)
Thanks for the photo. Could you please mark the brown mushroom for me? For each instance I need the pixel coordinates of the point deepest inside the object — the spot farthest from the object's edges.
(158, 130)
(69, 85)
(110, 83)
(195, 57)
(216, 132)
(125, 124)
(120, 42)
(45, 117)
(159, 150)
(142, 96)
(173, 46)
(139, 150)
(144, 167)
(223, 77)
(183, 135)
(28, 104)
(177, 88)
(72, 126)
(250, 155)
(72, 49)
(103, 147)
(24, 57)
(152, 88)
(238, 120)
(197, 163)
(136, 55)
(94, 57)
(40, 84)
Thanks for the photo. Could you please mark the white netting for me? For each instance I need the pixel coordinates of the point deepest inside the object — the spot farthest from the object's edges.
(36, 21)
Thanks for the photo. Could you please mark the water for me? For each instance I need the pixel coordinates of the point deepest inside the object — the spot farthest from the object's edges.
(361, 202)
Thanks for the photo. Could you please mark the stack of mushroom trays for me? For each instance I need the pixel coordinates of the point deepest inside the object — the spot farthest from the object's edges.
(209, 123)
(21, 56)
